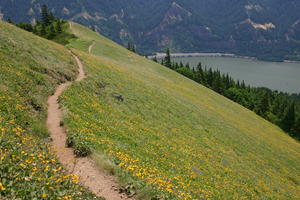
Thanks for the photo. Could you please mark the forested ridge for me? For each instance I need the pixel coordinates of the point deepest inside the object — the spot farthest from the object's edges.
(282, 109)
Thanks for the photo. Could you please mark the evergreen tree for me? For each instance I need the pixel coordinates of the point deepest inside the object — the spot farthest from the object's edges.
(155, 59)
(263, 105)
(238, 84)
(51, 33)
(43, 30)
(187, 65)
(9, 20)
(243, 85)
(176, 66)
(210, 77)
(130, 47)
(35, 31)
(200, 74)
(288, 119)
(218, 85)
(296, 129)
(167, 60)
(58, 27)
(181, 64)
(45, 15)
(51, 17)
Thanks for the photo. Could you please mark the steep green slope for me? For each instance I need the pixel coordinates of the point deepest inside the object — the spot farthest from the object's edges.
(30, 69)
(164, 130)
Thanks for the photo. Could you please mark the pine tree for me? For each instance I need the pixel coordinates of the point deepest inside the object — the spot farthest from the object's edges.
(45, 15)
(58, 27)
(155, 59)
(43, 30)
(130, 47)
(263, 106)
(238, 84)
(210, 77)
(9, 20)
(243, 85)
(288, 119)
(35, 31)
(167, 59)
(51, 17)
(176, 66)
(296, 129)
(181, 64)
(52, 32)
(187, 65)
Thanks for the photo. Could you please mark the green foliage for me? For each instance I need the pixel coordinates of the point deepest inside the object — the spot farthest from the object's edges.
(186, 72)
(49, 27)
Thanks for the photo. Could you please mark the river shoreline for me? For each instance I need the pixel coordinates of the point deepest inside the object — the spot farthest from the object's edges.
(183, 55)
(227, 55)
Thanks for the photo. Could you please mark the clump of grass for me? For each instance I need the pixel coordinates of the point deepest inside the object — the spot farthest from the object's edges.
(81, 149)
(104, 163)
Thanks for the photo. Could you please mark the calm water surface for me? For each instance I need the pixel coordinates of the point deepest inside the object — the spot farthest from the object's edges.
(277, 76)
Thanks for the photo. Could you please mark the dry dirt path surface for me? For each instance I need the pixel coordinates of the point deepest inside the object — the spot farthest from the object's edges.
(91, 47)
(99, 182)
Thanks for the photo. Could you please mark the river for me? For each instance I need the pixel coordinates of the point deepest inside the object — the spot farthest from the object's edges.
(277, 76)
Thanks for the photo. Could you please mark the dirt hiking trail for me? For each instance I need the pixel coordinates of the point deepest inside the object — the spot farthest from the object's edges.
(91, 46)
(99, 182)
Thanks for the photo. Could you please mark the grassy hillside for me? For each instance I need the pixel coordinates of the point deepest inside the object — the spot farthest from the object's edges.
(30, 69)
(171, 134)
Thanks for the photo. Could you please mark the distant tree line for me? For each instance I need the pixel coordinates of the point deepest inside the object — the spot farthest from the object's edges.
(48, 26)
(280, 108)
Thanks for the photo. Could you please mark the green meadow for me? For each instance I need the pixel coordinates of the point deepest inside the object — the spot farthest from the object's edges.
(169, 137)
(30, 70)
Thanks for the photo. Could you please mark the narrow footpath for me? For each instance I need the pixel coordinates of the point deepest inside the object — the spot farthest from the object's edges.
(99, 182)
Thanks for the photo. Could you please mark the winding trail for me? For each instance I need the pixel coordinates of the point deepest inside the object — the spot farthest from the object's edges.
(91, 46)
(99, 182)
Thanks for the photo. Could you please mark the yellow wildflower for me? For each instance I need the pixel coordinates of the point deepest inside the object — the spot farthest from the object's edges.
(1, 187)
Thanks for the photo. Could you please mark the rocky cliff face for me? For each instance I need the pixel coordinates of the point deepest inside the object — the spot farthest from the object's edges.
(253, 27)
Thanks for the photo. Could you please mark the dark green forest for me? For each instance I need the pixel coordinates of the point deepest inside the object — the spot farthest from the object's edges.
(280, 108)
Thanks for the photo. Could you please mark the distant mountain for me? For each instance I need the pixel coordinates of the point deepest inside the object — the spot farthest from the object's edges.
(267, 29)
